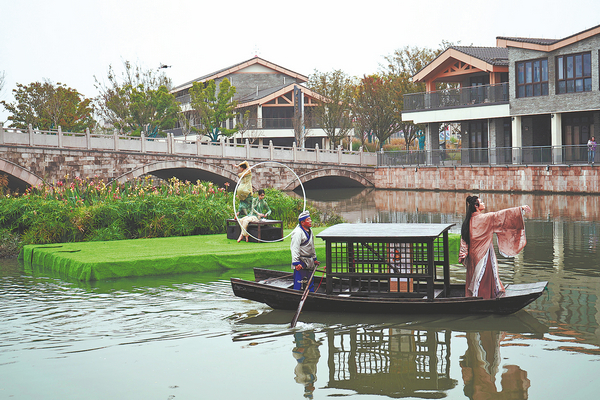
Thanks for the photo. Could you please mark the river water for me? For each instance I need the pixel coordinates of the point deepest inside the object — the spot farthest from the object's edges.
(188, 337)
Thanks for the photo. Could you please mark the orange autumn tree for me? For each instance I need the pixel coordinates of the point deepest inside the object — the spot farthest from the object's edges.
(376, 108)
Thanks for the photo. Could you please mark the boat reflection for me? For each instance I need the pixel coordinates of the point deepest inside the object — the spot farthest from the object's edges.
(390, 361)
(401, 356)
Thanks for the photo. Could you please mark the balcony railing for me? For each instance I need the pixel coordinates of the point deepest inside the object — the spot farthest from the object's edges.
(279, 123)
(457, 97)
(534, 155)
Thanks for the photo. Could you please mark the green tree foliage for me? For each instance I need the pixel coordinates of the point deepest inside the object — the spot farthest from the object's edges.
(400, 67)
(138, 101)
(333, 111)
(47, 106)
(376, 107)
(213, 109)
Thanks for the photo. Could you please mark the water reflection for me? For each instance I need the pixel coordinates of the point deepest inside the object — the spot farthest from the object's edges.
(562, 231)
(402, 356)
(395, 362)
(306, 352)
(480, 366)
(370, 205)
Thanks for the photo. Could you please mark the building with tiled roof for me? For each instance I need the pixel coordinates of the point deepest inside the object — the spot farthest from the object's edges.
(270, 93)
(526, 100)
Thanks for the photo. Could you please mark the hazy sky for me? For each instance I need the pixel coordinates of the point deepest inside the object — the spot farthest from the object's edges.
(71, 41)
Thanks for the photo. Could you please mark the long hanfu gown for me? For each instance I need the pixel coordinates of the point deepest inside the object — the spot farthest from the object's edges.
(480, 258)
(244, 193)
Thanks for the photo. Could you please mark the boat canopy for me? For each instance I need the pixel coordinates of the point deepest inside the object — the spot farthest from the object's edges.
(396, 260)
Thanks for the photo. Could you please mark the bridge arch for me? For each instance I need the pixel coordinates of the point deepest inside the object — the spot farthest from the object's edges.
(329, 173)
(183, 170)
(22, 176)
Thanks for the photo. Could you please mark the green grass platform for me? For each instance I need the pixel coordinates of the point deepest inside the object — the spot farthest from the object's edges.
(96, 261)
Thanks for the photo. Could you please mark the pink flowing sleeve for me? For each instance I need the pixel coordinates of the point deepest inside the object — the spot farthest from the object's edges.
(510, 230)
(463, 252)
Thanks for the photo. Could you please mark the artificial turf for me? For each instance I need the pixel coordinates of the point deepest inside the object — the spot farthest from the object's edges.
(96, 261)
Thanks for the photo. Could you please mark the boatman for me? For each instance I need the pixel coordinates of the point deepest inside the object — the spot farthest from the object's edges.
(304, 257)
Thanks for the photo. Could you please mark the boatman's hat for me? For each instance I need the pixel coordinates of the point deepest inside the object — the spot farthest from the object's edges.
(303, 215)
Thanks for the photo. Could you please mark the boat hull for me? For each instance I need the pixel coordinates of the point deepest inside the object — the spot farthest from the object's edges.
(516, 297)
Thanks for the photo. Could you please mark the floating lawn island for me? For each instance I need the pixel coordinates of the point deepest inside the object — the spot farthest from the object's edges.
(96, 261)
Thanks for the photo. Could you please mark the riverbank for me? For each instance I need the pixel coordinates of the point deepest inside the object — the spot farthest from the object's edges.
(96, 261)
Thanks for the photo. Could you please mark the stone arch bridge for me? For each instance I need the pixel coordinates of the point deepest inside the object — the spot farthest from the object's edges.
(26, 165)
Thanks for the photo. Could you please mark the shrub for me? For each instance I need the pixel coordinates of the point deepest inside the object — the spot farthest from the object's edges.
(86, 210)
(9, 243)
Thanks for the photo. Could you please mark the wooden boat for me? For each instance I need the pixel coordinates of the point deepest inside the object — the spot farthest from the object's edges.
(384, 268)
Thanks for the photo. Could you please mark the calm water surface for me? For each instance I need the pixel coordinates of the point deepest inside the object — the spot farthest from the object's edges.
(188, 337)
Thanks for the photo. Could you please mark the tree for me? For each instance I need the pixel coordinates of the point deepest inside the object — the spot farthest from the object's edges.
(248, 126)
(376, 108)
(47, 106)
(333, 109)
(401, 66)
(186, 122)
(213, 109)
(300, 128)
(137, 101)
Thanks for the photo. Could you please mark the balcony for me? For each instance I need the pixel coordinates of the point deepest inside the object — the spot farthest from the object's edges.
(279, 123)
(527, 155)
(457, 97)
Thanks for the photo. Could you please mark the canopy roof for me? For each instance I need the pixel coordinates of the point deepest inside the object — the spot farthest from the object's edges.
(388, 232)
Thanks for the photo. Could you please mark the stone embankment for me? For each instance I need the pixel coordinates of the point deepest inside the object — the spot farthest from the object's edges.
(582, 179)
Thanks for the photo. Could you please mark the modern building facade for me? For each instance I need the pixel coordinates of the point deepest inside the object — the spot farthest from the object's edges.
(274, 96)
(525, 101)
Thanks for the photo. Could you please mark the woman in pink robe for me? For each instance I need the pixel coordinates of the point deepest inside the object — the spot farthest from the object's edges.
(477, 249)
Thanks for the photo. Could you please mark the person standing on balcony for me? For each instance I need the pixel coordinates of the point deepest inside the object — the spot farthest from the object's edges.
(591, 149)
(477, 250)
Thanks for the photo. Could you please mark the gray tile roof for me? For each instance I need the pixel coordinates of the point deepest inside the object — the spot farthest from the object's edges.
(189, 83)
(262, 93)
(541, 41)
(530, 40)
(491, 55)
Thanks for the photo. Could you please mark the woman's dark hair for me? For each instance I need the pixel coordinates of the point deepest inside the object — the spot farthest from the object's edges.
(472, 201)
(260, 191)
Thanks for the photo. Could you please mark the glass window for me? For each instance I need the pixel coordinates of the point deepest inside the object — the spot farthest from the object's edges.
(574, 73)
(569, 67)
(520, 73)
(587, 64)
(578, 66)
(559, 68)
(532, 78)
(545, 70)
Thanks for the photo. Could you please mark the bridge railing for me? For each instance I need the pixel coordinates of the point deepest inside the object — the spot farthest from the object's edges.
(180, 146)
